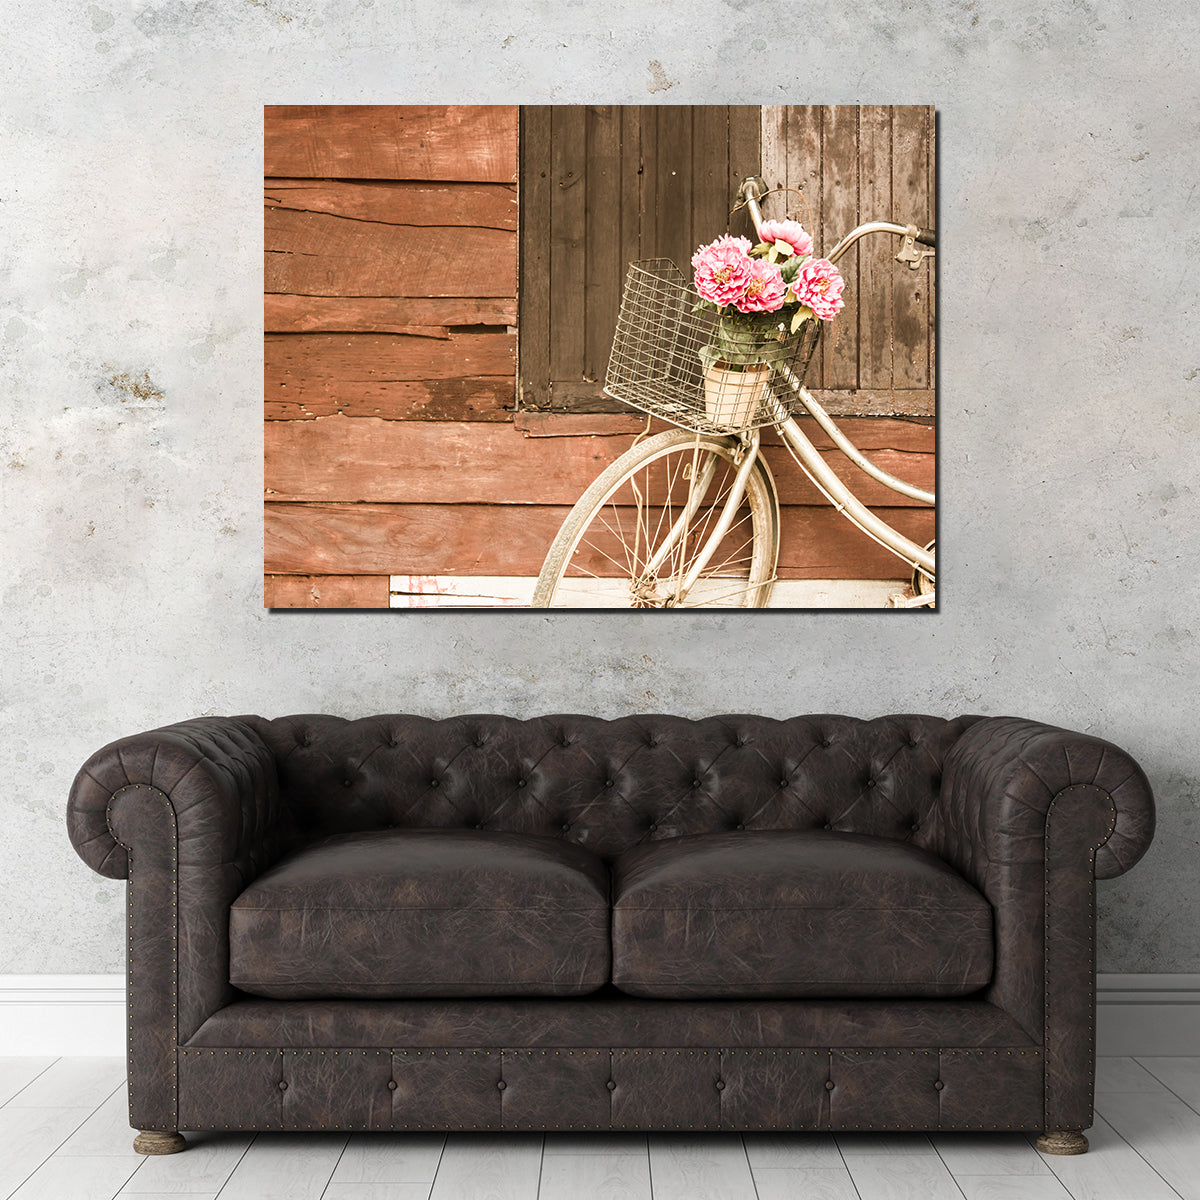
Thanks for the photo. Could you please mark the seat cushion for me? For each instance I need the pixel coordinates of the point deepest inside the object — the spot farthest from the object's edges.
(788, 914)
(400, 913)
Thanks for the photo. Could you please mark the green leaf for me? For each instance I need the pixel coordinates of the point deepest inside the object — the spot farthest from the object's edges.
(745, 340)
(802, 314)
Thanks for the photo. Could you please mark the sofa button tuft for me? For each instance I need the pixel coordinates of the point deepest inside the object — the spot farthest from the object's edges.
(829, 1085)
(347, 783)
(720, 1085)
(870, 783)
(827, 825)
(283, 1085)
(392, 1085)
(939, 1085)
(434, 782)
(652, 828)
(739, 825)
(566, 825)
(696, 783)
(784, 781)
(608, 783)
(501, 1086)
(611, 1085)
(522, 782)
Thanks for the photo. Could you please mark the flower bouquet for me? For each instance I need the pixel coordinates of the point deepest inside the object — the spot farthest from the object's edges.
(762, 294)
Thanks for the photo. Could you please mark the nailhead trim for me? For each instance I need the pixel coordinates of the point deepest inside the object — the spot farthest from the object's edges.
(153, 791)
(1112, 824)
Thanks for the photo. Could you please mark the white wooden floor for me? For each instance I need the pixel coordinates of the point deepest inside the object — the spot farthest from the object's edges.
(64, 1136)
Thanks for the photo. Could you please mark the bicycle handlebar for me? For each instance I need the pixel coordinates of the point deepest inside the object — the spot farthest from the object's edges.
(754, 188)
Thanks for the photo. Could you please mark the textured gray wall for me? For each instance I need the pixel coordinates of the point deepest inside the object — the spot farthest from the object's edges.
(130, 368)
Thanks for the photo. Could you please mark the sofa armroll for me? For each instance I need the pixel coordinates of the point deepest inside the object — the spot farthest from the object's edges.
(219, 777)
(189, 814)
(1001, 779)
(1033, 815)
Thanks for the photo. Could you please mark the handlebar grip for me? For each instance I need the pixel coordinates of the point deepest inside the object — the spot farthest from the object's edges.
(927, 237)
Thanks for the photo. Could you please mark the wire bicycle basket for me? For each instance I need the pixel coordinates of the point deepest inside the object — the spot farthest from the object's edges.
(657, 364)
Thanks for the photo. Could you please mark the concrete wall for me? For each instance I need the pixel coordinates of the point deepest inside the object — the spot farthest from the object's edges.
(130, 375)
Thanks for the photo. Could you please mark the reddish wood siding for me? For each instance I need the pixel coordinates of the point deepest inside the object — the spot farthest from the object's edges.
(390, 141)
(397, 375)
(395, 462)
(326, 591)
(453, 498)
(391, 280)
(482, 539)
(427, 316)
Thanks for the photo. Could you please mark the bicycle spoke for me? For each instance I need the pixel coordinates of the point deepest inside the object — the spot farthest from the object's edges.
(599, 550)
(732, 556)
(631, 552)
(707, 600)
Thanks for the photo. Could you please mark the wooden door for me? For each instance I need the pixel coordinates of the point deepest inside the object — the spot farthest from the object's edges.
(603, 186)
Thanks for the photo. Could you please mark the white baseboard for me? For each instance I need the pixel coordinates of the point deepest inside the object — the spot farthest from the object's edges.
(85, 1014)
(62, 1014)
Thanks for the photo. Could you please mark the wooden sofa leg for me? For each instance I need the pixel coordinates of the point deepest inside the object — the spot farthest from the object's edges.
(1062, 1141)
(159, 1141)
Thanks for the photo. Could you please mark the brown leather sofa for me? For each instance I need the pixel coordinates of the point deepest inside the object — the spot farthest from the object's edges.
(570, 923)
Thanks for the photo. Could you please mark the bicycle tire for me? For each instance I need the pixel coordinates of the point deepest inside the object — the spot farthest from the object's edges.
(590, 541)
(922, 581)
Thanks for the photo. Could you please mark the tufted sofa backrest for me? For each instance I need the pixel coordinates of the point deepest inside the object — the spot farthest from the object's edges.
(609, 784)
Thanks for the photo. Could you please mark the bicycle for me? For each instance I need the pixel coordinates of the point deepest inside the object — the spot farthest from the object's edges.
(690, 517)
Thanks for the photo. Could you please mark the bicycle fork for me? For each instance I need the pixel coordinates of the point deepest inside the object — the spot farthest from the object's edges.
(697, 489)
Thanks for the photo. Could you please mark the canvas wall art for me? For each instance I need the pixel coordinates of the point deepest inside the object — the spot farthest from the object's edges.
(600, 357)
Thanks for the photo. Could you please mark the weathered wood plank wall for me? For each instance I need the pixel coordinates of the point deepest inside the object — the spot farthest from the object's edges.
(843, 166)
(606, 185)
(391, 282)
(392, 442)
(448, 498)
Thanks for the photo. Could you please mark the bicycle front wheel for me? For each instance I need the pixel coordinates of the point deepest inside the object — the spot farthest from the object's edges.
(633, 537)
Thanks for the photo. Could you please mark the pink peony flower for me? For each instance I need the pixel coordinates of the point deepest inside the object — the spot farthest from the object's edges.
(764, 292)
(819, 286)
(725, 240)
(791, 232)
(722, 269)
